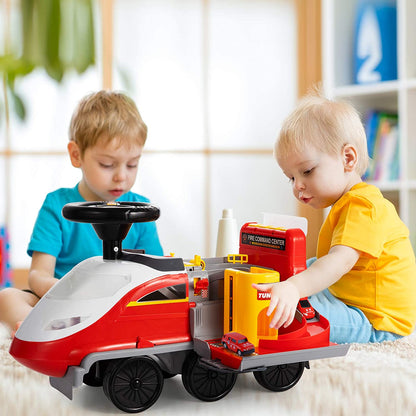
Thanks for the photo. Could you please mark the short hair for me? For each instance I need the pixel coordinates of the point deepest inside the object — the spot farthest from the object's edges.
(106, 115)
(325, 124)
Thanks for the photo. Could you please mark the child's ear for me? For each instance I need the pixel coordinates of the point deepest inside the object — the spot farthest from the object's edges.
(74, 154)
(350, 157)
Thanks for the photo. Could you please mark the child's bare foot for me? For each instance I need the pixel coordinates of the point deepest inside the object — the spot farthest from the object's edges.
(16, 328)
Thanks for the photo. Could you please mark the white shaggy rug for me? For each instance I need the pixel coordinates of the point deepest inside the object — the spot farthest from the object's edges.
(373, 379)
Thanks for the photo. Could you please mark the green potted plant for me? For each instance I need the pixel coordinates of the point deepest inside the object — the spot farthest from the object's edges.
(56, 35)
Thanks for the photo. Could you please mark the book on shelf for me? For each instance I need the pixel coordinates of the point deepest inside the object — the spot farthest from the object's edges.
(383, 146)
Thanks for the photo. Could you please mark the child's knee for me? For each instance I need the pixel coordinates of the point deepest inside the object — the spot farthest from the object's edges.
(6, 293)
(11, 297)
(9, 294)
(6, 299)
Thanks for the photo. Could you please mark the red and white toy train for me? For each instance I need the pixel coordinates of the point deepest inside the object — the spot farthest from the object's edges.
(129, 320)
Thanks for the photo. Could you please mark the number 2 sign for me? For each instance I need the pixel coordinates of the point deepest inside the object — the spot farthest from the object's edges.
(376, 42)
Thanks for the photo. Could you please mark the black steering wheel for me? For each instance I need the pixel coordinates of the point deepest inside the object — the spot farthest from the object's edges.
(110, 212)
(111, 220)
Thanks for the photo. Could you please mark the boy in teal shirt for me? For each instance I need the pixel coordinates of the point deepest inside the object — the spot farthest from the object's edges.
(107, 135)
(71, 242)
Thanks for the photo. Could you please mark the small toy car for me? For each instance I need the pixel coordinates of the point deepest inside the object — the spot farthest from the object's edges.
(236, 342)
(306, 309)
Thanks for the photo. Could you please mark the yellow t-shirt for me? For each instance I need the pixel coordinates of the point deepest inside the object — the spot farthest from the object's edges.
(383, 281)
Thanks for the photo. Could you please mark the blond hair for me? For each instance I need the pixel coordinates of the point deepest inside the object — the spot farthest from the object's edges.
(326, 125)
(106, 115)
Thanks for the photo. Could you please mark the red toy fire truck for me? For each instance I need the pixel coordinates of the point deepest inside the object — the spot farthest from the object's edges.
(128, 320)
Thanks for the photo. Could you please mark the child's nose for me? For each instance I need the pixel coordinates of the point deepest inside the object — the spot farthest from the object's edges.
(120, 175)
(298, 185)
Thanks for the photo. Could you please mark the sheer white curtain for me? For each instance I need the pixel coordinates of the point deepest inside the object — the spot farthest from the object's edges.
(213, 80)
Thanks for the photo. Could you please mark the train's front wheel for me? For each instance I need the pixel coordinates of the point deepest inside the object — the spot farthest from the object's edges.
(133, 384)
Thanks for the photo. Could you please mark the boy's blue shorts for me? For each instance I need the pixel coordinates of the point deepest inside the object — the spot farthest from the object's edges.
(348, 324)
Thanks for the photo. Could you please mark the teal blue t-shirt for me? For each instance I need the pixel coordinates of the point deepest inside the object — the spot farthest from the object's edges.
(71, 242)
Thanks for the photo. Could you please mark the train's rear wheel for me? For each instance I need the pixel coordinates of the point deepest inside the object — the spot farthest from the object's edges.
(280, 377)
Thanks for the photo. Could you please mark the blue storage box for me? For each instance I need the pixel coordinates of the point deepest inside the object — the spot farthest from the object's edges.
(375, 44)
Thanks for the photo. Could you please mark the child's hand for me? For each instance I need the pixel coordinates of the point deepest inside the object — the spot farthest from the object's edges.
(284, 298)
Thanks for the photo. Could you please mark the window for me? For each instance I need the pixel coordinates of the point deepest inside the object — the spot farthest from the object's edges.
(166, 293)
(213, 81)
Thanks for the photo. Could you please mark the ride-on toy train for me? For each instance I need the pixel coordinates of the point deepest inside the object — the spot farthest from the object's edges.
(128, 320)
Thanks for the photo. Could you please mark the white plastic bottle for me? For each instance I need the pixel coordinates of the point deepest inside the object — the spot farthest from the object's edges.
(227, 238)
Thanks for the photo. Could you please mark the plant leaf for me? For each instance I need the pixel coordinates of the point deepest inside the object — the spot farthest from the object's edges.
(54, 68)
(29, 32)
(49, 17)
(14, 67)
(84, 48)
(18, 105)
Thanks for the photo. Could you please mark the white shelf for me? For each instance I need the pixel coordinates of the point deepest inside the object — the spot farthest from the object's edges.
(380, 88)
(338, 17)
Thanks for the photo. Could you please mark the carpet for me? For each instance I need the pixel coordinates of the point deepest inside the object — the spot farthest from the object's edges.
(372, 379)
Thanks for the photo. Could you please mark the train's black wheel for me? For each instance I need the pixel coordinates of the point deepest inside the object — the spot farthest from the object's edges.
(204, 383)
(133, 384)
(280, 377)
